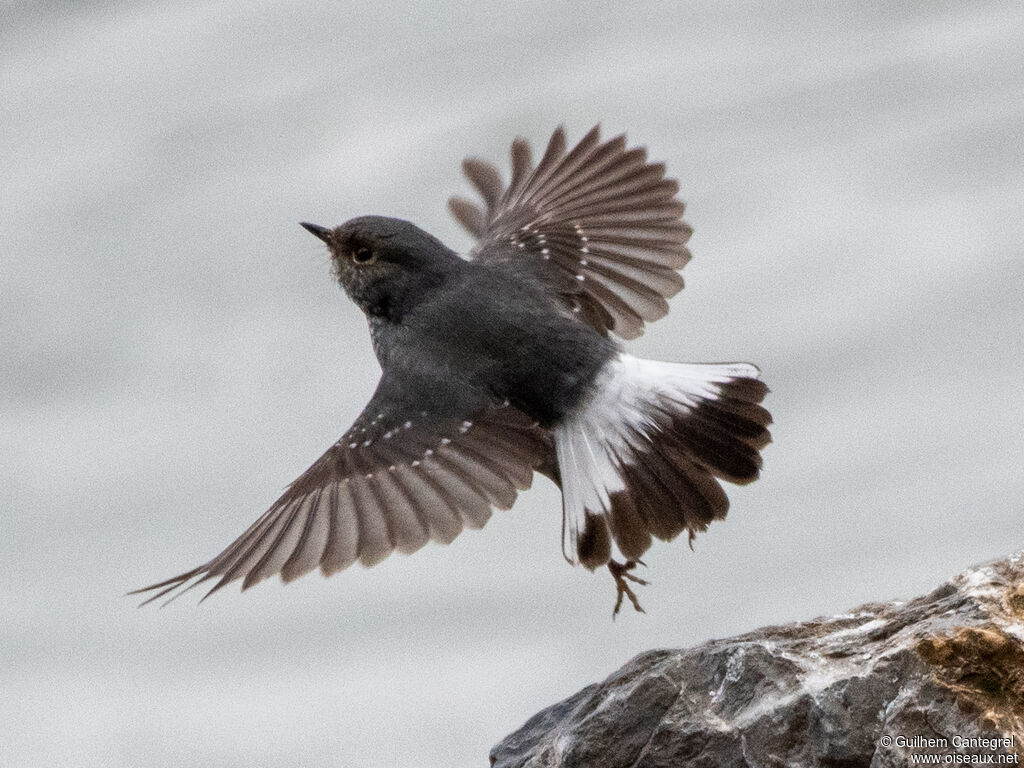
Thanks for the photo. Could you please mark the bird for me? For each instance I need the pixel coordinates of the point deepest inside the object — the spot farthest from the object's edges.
(509, 361)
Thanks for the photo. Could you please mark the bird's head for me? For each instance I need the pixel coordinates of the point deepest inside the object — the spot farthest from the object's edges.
(386, 265)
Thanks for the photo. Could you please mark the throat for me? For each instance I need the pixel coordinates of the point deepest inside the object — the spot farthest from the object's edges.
(385, 336)
(383, 309)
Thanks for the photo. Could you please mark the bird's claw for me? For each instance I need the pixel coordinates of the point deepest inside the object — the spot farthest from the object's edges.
(621, 572)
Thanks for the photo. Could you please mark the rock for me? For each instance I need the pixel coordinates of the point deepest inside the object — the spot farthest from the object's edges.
(941, 675)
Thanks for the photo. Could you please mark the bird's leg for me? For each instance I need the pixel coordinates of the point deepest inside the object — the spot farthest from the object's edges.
(620, 572)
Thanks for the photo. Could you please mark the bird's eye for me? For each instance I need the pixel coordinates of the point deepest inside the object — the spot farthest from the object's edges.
(363, 255)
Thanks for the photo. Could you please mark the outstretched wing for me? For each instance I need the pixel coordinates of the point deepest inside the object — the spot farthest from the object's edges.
(599, 224)
(398, 478)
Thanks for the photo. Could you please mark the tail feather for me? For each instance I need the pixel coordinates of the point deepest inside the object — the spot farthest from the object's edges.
(594, 547)
(643, 456)
(628, 528)
(736, 418)
(662, 493)
(723, 454)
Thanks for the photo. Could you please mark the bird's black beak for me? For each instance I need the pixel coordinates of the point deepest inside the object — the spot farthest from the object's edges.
(322, 232)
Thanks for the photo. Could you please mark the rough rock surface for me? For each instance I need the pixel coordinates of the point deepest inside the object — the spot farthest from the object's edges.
(881, 686)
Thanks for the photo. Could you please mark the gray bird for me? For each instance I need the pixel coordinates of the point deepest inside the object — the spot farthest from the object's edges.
(504, 364)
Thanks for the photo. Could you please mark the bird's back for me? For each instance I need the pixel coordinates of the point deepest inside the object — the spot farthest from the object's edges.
(495, 330)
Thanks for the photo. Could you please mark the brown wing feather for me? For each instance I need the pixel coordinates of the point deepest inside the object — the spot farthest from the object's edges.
(395, 481)
(600, 223)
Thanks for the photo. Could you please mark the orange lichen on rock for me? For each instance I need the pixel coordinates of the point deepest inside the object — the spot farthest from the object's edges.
(1015, 600)
(984, 668)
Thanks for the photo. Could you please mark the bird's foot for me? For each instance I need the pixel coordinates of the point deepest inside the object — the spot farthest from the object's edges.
(621, 572)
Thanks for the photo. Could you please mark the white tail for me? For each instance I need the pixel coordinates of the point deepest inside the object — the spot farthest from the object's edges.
(641, 454)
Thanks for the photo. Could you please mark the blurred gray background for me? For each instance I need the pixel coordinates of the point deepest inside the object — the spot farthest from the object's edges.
(174, 351)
